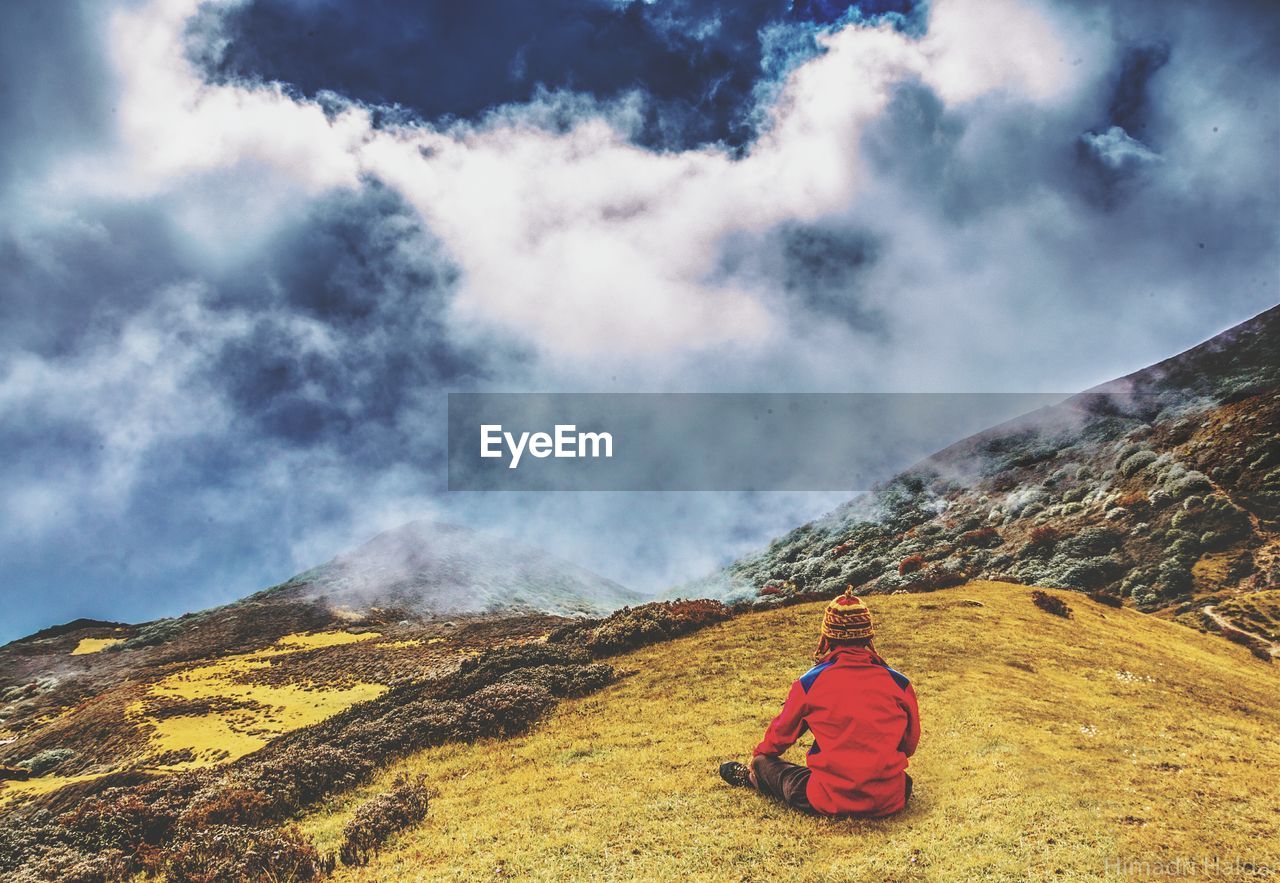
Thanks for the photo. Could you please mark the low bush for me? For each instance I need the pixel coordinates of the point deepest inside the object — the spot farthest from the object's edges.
(229, 806)
(377, 819)
(1107, 599)
(1044, 535)
(1093, 573)
(1051, 604)
(981, 538)
(1090, 542)
(505, 709)
(910, 564)
(67, 865)
(1136, 462)
(634, 627)
(234, 854)
(46, 760)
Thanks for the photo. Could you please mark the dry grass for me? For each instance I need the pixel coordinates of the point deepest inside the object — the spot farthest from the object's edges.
(1052, 749)
(242, 716)
(1258, 612)
(219, 711)
(94, 645)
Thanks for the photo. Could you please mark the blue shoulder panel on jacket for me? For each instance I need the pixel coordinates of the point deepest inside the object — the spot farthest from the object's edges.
(898, 678)
(807, 679)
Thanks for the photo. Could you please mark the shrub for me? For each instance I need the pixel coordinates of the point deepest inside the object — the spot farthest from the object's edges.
(634, 627)
(982, 538)
(234, 854)
(1107, 599)
(1174, 577)
(1086, 573)
(1075, 494)
(119, 819)
(1051, 604)
(1136, 462)
(42, 762)
(67, 865)
(377, 819)
(298, 775)
(1189, 484)
(1135, 501)
(910, 564)
(1043, 537)
(1090, 542)
(158, 632)
(229, 806)
(14, 773)
(505, 709)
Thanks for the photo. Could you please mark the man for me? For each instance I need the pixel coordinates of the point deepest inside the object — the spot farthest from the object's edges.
(864, 721)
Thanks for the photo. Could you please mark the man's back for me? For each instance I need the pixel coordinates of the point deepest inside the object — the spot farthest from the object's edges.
(865, 723)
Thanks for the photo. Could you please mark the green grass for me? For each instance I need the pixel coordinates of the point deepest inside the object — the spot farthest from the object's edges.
(1052, 749)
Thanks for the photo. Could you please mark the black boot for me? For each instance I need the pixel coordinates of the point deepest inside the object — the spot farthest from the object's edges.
(735, 774)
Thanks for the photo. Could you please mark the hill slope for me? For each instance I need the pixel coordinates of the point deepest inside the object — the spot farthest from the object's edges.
(88, 703)
(427, 568)
(1162, 488)
(1053, 749)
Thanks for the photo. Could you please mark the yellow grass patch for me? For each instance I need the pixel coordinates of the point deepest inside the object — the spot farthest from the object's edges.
(94, 645)
(40, 785)
(1052, 749)
(245, 716)
(314, 640)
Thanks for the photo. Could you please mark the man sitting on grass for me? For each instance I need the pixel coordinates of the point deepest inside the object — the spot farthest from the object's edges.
(864, 721)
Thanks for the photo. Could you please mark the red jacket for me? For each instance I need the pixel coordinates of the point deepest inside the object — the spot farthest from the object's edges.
(865, 725)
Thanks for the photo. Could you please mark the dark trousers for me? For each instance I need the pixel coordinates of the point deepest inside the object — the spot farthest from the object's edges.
(788, 782)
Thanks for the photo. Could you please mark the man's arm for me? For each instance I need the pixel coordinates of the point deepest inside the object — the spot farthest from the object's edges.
(911, 738)
(787, 727)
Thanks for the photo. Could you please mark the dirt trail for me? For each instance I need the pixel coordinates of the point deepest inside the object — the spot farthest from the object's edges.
(1273, 647)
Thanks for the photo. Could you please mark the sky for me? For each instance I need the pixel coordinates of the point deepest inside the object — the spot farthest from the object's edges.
(248, 246)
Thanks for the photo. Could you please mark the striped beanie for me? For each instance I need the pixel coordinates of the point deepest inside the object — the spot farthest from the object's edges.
(847, 618)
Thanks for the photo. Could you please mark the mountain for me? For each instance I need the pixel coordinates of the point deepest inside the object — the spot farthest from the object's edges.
(89, 702)
(188, 748)
(429, 568)
(1053, 749)
(1160, 489)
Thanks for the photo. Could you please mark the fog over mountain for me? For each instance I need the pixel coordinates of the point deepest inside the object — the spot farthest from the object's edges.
(248, 246)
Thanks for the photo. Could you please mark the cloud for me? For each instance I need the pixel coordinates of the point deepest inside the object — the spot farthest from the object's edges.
(232, 306)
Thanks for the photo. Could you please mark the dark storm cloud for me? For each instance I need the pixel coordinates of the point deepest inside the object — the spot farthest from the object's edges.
(1131, 100)
(291, 384)
(696, 62)
(194, 408)
(361, 266)
(64, 282)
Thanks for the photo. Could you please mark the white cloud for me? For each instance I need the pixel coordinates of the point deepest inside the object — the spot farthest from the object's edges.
(577, 242)
(976, 47)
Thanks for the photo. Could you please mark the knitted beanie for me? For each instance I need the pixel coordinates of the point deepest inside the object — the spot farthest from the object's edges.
(847, 618)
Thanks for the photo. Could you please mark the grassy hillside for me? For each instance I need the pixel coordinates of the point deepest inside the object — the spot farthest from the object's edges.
(1051, 748)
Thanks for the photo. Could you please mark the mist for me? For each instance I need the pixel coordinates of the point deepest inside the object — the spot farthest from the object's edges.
(239, 273)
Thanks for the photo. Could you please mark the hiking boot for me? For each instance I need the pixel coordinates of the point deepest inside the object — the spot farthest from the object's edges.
(735, 774)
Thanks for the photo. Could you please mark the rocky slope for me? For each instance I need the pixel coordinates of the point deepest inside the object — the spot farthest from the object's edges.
(1161, 488)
